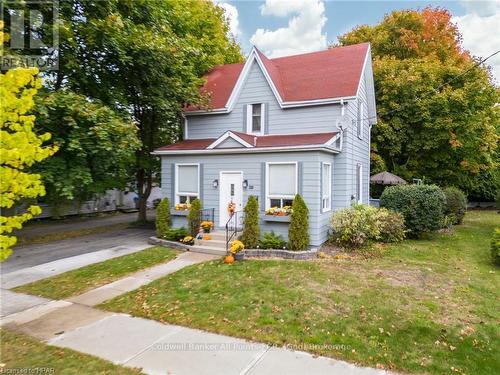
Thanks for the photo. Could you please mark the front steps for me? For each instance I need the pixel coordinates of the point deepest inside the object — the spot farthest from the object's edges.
(215, 246)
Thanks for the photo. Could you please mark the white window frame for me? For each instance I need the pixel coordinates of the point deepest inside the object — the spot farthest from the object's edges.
(359, 175)
(178, 194)
(328, 194)
(361, 128)
(250, 118)
(281, 197)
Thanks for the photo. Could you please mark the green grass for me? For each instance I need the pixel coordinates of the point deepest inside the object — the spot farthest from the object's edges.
(21, 352)
(83, 279)
(426, 306)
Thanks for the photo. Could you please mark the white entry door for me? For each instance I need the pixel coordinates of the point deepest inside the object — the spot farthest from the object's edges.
(231, 190)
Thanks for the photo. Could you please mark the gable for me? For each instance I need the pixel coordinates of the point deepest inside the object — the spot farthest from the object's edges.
(229, 143)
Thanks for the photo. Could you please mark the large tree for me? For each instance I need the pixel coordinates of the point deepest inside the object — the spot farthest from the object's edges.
(96, 147)
(436, 104)
(144, 59)
(21, 146)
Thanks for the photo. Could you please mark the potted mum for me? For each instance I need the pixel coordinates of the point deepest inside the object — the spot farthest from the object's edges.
(188, 240)
(206, 226)
(235, 249)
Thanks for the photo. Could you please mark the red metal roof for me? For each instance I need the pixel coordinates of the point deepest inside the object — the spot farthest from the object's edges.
(333, 73)
(287, 140)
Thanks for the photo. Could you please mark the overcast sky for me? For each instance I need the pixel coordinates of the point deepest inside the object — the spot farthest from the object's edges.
(286, 27)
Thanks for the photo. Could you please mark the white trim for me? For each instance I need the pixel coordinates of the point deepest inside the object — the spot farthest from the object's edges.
(226, 135)
(359, 174)
(368, 53)
(249, 119)
(176, 181)
(332, 140)
(269, 197)
(329, 195)
(324, 148)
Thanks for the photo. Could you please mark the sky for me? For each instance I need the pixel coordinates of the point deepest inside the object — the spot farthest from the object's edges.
(288, 27)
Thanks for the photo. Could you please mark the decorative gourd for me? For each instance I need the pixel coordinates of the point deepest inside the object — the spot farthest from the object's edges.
(229, 259)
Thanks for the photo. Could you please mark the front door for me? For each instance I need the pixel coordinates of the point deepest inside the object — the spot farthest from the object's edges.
(231, 190)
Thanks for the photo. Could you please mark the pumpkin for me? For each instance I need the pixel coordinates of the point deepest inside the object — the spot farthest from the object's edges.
(229, 259)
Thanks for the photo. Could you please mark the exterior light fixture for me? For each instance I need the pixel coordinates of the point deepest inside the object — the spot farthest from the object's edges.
(245, 184)
(215, 184)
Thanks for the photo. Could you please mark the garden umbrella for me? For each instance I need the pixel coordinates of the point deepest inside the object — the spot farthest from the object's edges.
(386, 178)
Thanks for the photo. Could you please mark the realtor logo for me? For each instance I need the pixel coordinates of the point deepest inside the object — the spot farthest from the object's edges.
(31, 34)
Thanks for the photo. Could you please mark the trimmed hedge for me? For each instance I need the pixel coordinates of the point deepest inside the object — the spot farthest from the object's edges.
(298, 231)
(176, 234)
(271, 240)
(456, 204)
(422, 206)
(251, 229)
(163, 221)
(495, 246)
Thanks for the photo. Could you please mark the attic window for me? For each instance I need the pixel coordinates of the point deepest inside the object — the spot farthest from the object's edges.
(255, 118)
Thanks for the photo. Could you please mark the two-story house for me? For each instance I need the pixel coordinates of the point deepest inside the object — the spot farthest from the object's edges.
(277, 127)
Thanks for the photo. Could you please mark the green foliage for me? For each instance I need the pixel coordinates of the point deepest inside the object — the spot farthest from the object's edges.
(495, 246)
(391, 225)
(175, 234)
(271, 240)
(497, 199)
(422, 206)
(355, 226)
(163, 220)
(193, 217)
(434, 121)
(96, 147)
(144, 59)
(251, 229)
(298, 231)
(456, 204)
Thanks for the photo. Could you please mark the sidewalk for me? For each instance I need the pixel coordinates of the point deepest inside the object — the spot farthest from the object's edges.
(155, 347)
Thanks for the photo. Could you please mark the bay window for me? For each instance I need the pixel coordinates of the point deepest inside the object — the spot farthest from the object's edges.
(187, 182)
(281, 185)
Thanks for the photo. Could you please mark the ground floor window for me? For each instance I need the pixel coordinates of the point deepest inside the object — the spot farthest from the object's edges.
(281, 184)
(326, 187)
(187, 182)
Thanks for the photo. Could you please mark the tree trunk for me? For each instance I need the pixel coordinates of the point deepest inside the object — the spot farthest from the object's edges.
(144, 187)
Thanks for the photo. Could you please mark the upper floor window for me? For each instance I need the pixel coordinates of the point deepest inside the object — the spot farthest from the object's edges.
(187, 182)
(255, 118)
(281, 184)
(361, 120)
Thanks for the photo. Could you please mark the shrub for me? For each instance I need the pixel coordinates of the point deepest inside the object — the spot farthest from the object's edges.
(391, 225)
(175, 234)
(355, 226)
(251, 229)
(497, 200)
(422, 206)
(495, 246)
(193, 217)
(163, 221)
(456, 204)
(298, 230)
(270, 240)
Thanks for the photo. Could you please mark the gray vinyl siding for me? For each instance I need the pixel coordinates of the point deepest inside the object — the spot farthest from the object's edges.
(251, 166)
(315, 119)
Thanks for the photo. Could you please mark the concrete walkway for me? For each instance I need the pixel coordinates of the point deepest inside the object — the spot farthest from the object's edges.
(155, 347)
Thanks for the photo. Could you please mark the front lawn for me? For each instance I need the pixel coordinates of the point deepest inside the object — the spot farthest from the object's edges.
(21, 354)
(427, 306)
(89, 277)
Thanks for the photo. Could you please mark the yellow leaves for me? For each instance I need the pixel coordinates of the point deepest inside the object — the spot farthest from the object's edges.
(20, 147)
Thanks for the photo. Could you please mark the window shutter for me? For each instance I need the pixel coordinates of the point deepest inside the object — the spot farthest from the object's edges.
(263, 186)
(172, 184)
(201, 182)
(300, 177)
(265, 108)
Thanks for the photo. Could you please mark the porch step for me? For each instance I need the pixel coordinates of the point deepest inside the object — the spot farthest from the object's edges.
(218, 235)
(208, 250)
(211, 243)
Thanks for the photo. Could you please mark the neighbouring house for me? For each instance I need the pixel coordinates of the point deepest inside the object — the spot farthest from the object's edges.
(275, 128)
